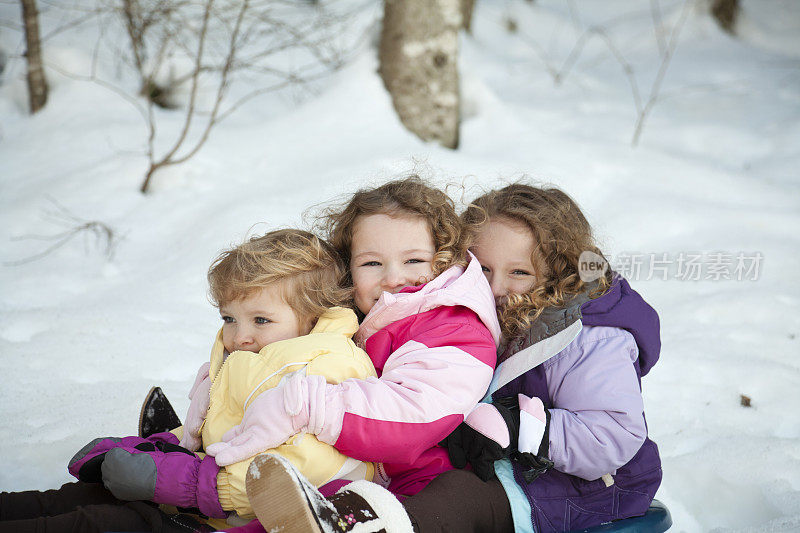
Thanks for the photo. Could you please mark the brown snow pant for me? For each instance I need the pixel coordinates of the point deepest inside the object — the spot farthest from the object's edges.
(458, 501)
(84, 507)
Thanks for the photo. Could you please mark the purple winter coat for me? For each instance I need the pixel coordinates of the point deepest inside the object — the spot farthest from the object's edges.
(585, 362)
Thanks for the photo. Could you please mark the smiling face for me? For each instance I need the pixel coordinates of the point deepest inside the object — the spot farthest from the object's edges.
(389, 252)
(505, 251)
(258, 319)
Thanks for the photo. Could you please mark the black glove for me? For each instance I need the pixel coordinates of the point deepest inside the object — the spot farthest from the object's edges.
(468, 445)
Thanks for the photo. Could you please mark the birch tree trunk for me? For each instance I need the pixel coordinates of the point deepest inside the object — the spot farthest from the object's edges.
(37, 84)
(467, 6)
(419, 66)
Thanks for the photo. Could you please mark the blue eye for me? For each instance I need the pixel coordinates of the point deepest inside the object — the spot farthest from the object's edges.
(415, 261)
(521, 273)
(228, 319)
(371, 264)
(260, 320)
(485, 269)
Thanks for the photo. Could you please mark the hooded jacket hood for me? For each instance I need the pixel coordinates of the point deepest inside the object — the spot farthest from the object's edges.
(622, 307)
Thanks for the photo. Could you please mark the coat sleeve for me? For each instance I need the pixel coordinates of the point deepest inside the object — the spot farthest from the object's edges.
(597, 423)
(427, 386)
(317, 461)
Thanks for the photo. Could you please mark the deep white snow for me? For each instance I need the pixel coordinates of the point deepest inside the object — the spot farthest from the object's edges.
(83, 335)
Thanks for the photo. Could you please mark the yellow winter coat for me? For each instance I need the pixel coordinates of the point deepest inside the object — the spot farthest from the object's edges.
(327, 351)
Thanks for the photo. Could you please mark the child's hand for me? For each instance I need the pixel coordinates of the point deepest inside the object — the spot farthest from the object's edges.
(163, 473)
(274, 416)
(265, 425)
(198, 408)
(484, 437)
(85, 465)
(492, 432)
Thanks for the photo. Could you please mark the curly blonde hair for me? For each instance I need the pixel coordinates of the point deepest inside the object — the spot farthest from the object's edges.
(561, 233)
(309, 269)
(409, 196)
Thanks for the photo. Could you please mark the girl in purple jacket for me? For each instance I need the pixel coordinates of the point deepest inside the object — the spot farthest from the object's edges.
(563, 427)
(563, 424)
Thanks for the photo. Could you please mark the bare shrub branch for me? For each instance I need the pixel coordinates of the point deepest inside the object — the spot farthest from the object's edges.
(205, 59)
(666, 58)
(666, 52)
(104, 236)
(171, 158)
(658, 25)
(224, 40)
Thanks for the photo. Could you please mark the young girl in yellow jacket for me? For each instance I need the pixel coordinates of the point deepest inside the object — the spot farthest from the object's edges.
(274, 294)
(278, 297)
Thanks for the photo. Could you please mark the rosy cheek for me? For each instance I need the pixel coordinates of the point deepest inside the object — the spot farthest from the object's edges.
(228, 344)
(529, 286)
(362, 286)
(359, 294)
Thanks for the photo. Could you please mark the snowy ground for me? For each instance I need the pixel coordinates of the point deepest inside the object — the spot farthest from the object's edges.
(83, 337)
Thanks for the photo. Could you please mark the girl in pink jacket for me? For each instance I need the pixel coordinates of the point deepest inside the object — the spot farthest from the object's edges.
(431, 330)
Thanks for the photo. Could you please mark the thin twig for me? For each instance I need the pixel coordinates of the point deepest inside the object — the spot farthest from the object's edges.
(573, 13)
(666, 58)
(253, 33)
(626, 68)
(62, 216)
(195, 85)
(643, 109)
(10, 25)
(223, 85)
(72, 24)
(658, 26)
(99, 81)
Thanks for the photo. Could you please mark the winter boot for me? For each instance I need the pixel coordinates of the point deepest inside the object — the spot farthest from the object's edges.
(157, 414)
(284, 500)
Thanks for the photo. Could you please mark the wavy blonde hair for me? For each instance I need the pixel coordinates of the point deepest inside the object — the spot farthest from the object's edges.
(409, 196)
(561, 233)
(308, 268)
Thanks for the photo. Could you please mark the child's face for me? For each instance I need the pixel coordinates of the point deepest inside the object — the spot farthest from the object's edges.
(505, 251)
(387, 254)
(259, 319)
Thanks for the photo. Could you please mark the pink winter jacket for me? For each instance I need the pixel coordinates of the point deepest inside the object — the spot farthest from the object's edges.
(434, 348)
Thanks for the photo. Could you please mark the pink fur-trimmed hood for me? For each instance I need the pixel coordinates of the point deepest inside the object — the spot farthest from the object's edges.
(453, 287)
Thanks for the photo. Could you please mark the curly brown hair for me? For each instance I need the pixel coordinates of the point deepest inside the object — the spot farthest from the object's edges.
(407, 196)
(561, 232)
(308, 268)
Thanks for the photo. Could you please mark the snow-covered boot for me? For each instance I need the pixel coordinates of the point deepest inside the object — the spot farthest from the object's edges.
(157, 414)
(284, 500)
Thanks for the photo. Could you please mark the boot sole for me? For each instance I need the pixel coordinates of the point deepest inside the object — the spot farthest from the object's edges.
(279, 497)
(143, 410)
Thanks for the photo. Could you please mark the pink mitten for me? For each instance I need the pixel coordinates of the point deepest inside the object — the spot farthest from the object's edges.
(295, 406)
(198, 408)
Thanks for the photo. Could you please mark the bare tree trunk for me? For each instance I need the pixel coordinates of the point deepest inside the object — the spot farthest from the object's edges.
(37, 84)
(467, 6)
(419, 66)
